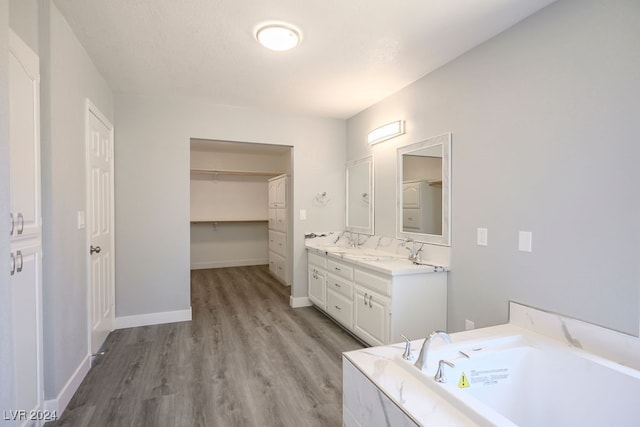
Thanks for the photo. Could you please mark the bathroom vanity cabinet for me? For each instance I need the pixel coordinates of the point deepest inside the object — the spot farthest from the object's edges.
(378, 304)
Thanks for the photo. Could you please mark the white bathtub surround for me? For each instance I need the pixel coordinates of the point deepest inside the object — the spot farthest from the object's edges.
(538, 369)
(617, 346)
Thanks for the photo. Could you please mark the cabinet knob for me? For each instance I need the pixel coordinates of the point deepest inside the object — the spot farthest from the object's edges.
(12, 224)
(94, 249)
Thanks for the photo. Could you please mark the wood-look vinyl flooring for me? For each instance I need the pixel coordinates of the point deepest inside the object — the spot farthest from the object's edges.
(246, 359)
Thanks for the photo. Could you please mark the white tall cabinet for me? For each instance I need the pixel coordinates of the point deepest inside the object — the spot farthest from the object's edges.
(278, 228)
(25, 227)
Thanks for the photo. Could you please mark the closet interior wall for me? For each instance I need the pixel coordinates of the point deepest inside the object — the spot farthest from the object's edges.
(229, 201)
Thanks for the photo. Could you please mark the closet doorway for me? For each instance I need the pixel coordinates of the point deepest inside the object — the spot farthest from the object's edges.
(233, 215)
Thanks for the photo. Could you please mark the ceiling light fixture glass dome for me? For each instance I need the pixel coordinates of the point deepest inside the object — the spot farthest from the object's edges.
(278, 35)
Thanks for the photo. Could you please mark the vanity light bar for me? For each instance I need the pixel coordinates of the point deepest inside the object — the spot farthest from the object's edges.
(388, 131)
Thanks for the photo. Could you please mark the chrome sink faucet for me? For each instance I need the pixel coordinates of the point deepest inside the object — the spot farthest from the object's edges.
(421, 363)
(414, 250)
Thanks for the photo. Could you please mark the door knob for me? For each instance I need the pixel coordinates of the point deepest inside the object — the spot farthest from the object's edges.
(94, 249)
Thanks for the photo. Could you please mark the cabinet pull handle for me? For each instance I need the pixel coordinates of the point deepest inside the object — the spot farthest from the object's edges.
(370, 297)
(13, 224)
(20, 223)
(19, 266)
(365, 298)
(337, 308)
(337, 285)
(13, 264)
(336, 268)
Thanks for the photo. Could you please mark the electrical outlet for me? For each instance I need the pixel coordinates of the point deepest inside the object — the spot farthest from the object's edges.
(469, 324)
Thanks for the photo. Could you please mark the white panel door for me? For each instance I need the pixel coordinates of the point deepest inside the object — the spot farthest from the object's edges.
(24, 139)
(100, 227)
(26, 279)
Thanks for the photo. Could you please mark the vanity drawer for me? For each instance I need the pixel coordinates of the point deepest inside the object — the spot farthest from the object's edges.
(340, 269)
(340, 308)
(339, 285)
(315, 259)
(376, 283)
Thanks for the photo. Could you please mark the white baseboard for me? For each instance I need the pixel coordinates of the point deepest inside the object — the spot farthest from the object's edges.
(300, 302)
(229, 263)
(59, 404)
(153, 319)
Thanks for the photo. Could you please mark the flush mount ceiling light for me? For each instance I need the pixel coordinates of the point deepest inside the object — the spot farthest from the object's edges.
(278, 35)
(388, 131)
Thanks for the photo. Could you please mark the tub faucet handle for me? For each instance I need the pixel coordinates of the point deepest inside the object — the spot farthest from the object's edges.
(407, 348)
(439, 377)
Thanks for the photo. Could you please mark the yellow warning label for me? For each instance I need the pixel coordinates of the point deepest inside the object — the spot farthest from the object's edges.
(464, 382)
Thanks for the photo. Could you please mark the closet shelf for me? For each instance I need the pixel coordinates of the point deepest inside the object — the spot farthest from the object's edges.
(234, 172)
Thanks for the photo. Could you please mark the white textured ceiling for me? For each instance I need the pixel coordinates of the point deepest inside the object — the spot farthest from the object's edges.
(353, 54)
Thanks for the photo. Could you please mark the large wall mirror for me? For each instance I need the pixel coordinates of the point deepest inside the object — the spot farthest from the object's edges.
(359, 194)
(424, 191)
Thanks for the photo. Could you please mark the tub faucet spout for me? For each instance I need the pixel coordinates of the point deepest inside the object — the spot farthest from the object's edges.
(421, 363)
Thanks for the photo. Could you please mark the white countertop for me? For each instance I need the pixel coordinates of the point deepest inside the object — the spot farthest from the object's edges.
(384, 262)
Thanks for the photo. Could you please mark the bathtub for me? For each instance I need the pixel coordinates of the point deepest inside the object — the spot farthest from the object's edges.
(529, 381)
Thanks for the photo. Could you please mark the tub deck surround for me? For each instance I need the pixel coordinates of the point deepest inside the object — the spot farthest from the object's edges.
(382, 254)
(533, 340)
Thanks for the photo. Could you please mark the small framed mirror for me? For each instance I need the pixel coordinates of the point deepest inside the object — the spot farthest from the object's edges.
(424, 191)
(359, 196)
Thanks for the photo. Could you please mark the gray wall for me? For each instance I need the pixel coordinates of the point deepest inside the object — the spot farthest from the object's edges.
(545, 139)
(68, 77)
(6, 361)
(152, 189)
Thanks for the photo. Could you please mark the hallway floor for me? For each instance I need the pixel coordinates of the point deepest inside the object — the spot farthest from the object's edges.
(246, 359)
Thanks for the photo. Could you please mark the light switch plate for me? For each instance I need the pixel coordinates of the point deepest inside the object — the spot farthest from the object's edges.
(482, 236)
(81, 220)
(525, 241)
(303, 214)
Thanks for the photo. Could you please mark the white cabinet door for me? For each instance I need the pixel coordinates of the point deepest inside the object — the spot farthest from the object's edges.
(24, 139)
(281, 220)
(26, 304)
(371, 316)
(272, 194)
(411, 195)
(281, 192)
(340, 308)
(317, 286)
